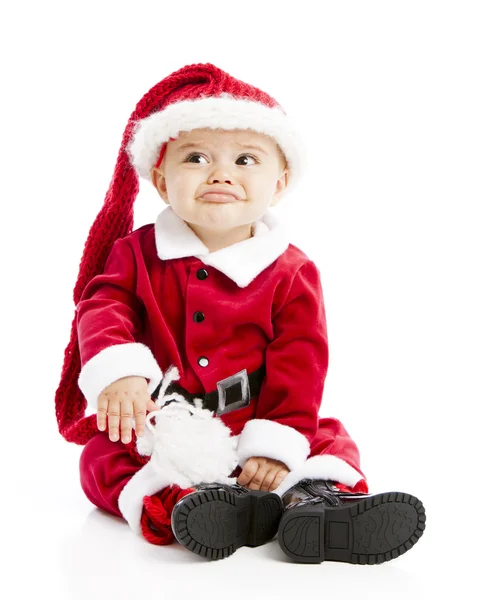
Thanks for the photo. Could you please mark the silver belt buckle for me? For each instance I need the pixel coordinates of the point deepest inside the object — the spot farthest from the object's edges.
(224, 384)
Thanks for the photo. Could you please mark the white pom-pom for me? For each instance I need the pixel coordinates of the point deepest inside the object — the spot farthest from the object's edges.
(188, 442)
(145, 443)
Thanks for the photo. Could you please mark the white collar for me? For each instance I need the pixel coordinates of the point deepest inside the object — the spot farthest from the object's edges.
(241, 262)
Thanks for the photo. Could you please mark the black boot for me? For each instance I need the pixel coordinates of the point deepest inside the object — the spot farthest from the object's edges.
(322, 523)
(217, 519)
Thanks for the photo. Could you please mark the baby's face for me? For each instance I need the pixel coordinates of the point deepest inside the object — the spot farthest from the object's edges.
(246, 163)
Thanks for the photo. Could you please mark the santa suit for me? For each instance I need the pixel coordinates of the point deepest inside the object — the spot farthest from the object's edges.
(164, 299)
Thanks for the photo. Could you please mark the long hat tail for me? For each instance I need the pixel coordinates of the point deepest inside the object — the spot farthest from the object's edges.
(115, 220)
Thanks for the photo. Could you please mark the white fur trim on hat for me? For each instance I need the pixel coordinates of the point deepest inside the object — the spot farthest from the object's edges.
(261, 437)
(222, 112)
(322, 466)
(115, 362)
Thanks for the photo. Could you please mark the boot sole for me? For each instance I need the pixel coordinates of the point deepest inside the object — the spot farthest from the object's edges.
(215, 523)
(368, 532)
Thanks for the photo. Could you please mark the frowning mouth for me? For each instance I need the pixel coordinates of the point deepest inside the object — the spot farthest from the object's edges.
(220, 198)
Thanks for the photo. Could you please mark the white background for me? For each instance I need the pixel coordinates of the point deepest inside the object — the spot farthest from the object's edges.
(386, 96)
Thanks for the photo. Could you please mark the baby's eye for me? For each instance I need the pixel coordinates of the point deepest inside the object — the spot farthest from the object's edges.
(201, 156)
(248, 156)
(192, 156)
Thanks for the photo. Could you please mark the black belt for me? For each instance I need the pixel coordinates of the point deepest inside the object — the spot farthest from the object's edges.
(232, 393)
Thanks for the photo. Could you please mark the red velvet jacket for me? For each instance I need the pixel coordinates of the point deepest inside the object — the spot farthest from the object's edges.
(261, 302)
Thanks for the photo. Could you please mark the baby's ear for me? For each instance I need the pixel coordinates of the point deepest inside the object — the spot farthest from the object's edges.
(154, 173)
(159, 183)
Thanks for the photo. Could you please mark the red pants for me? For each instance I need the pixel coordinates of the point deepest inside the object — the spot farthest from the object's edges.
(106, 467)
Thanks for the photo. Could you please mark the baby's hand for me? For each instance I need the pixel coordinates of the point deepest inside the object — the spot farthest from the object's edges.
(261, 473)
(121, 400)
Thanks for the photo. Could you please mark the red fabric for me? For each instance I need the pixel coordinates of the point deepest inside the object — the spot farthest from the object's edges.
(279, 317)
(105, 469)
(115, 219)
(333, 438)
(140, 299)
(163, 152)
(361, 487)
(156, 515)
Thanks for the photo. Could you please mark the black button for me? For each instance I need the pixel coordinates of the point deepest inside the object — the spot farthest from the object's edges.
(198, 317)
(202, 273)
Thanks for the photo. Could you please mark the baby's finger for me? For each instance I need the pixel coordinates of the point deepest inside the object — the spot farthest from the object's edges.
(114, 418)
(101, 412)
(248, 472)
(257, 481)
(278, 479)
(139, 409)
(126, 420)
(151, 406)
(268, 479)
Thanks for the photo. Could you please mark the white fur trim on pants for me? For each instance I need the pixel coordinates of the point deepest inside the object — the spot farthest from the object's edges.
(115, 362)
(323, 466)
(261, 437)
(145, 482)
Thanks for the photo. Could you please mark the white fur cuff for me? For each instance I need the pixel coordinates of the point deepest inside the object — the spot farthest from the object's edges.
(261, 437)
(145, 482)
(115, 362)
(322, 466)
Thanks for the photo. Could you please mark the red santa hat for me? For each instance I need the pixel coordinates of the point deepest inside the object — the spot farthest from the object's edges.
(196, 96)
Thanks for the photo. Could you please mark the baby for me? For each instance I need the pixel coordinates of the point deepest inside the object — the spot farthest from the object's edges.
(220, 207)
(215, 288)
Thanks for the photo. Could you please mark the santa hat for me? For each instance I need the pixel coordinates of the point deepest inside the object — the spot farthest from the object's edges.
(196, 96)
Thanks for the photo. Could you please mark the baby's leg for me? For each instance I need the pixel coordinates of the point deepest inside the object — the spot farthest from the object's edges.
(105, 469)
(333, 440)
(333, 456)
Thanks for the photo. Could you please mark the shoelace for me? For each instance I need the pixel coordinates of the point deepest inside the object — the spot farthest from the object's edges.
(180, 404)
(163, 400)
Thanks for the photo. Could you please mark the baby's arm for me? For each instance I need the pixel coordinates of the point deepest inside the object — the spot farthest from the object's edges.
(109, 320)
(296, 361)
